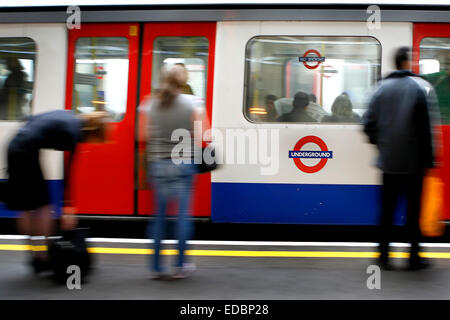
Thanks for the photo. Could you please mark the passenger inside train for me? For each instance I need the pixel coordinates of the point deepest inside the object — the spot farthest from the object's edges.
(283, 106)
(12, 94)
(315, 110)
(298, 113)
(342, 111)
(271, 113)
(186, 88)
(440, 79)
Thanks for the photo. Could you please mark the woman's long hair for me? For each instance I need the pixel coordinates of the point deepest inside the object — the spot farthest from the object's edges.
(173, 80)
(342, 106)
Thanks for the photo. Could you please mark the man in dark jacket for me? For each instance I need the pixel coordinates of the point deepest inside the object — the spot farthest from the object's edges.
(298, 113)
(398, 122)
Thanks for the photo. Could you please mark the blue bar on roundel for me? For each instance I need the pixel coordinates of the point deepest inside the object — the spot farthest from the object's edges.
(306, 154)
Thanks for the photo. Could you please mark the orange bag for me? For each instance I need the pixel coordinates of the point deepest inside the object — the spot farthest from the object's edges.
(431, 223)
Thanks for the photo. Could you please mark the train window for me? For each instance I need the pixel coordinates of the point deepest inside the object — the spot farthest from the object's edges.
(434, 66)
(101, 75)
(310, 79)
(17, 59)
(190, 52)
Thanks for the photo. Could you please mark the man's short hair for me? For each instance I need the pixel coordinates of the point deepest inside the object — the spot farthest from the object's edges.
(301, 100)
(403, 54)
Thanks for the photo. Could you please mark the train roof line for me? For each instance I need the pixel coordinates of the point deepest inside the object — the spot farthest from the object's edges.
(211, 13)
(112, 3)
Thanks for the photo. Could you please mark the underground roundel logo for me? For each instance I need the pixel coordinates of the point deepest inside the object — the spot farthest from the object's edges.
(311, 56)
(298, 154)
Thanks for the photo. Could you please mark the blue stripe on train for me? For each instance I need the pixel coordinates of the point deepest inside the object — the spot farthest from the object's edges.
(280, 203)
(298, 204)
(56, 195)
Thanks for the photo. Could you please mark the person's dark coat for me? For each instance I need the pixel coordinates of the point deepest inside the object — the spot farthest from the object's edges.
(398, 122)
(297, 115)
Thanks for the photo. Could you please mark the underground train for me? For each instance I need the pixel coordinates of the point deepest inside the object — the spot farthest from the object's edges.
(245, 64)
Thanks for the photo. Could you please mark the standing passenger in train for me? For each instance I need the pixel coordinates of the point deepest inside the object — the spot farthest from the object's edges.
(342, 111)
(441, 84)
(298, 113)
(283, 106)
(271, 115)
(169, 111)
(186, 88)
(398, 121)
(12, 95)
(27, 190)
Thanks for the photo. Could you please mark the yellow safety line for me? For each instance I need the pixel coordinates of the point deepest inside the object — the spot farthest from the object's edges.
(128, 251)
(233, 253)
(20, 247)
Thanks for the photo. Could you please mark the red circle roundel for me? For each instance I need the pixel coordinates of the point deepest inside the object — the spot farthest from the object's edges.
(297, 154)
(317, 58)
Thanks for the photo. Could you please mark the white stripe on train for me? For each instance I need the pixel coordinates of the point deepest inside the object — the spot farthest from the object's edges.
(243, 243)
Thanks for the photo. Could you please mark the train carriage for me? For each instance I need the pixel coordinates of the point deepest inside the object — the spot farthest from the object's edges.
(274, 171)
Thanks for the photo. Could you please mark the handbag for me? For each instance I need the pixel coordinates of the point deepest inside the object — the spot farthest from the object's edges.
(70, 250)
(207, 166)
(431, 223)
(4, 191)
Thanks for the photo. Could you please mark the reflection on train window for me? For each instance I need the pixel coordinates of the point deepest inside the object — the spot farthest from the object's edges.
(310, 79)
(190, 52)
(435, 67)
(101, 75)
(17, 58)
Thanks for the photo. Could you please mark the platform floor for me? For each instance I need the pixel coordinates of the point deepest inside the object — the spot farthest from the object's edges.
(234, 270)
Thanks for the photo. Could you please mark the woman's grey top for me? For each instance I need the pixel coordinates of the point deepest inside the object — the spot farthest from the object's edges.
(171, 129)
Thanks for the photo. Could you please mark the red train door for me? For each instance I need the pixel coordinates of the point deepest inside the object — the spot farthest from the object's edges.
(102, 75)
(192, 45)
(431, 42)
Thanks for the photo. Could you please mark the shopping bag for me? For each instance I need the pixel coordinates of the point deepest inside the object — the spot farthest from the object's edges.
(431, 223)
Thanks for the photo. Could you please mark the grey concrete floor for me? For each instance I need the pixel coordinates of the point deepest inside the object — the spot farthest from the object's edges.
(119, 276)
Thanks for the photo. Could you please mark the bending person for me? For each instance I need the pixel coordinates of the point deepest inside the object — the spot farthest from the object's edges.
(27, 190)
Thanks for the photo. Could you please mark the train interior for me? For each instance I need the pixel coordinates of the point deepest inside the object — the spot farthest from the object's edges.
(17, 56)
(352, 66)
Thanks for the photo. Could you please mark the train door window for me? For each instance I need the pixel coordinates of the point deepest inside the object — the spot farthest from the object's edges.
(434, 66)
(17, 61)
(101, 75)
(189, 52)
(329, 77)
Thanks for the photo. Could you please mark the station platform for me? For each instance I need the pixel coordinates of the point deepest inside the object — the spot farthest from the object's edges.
(229, 270)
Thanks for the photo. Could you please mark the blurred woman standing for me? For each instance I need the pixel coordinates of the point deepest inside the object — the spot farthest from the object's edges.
(171, 173)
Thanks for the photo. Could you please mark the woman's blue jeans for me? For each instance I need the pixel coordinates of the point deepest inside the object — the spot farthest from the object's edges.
(170, 182)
